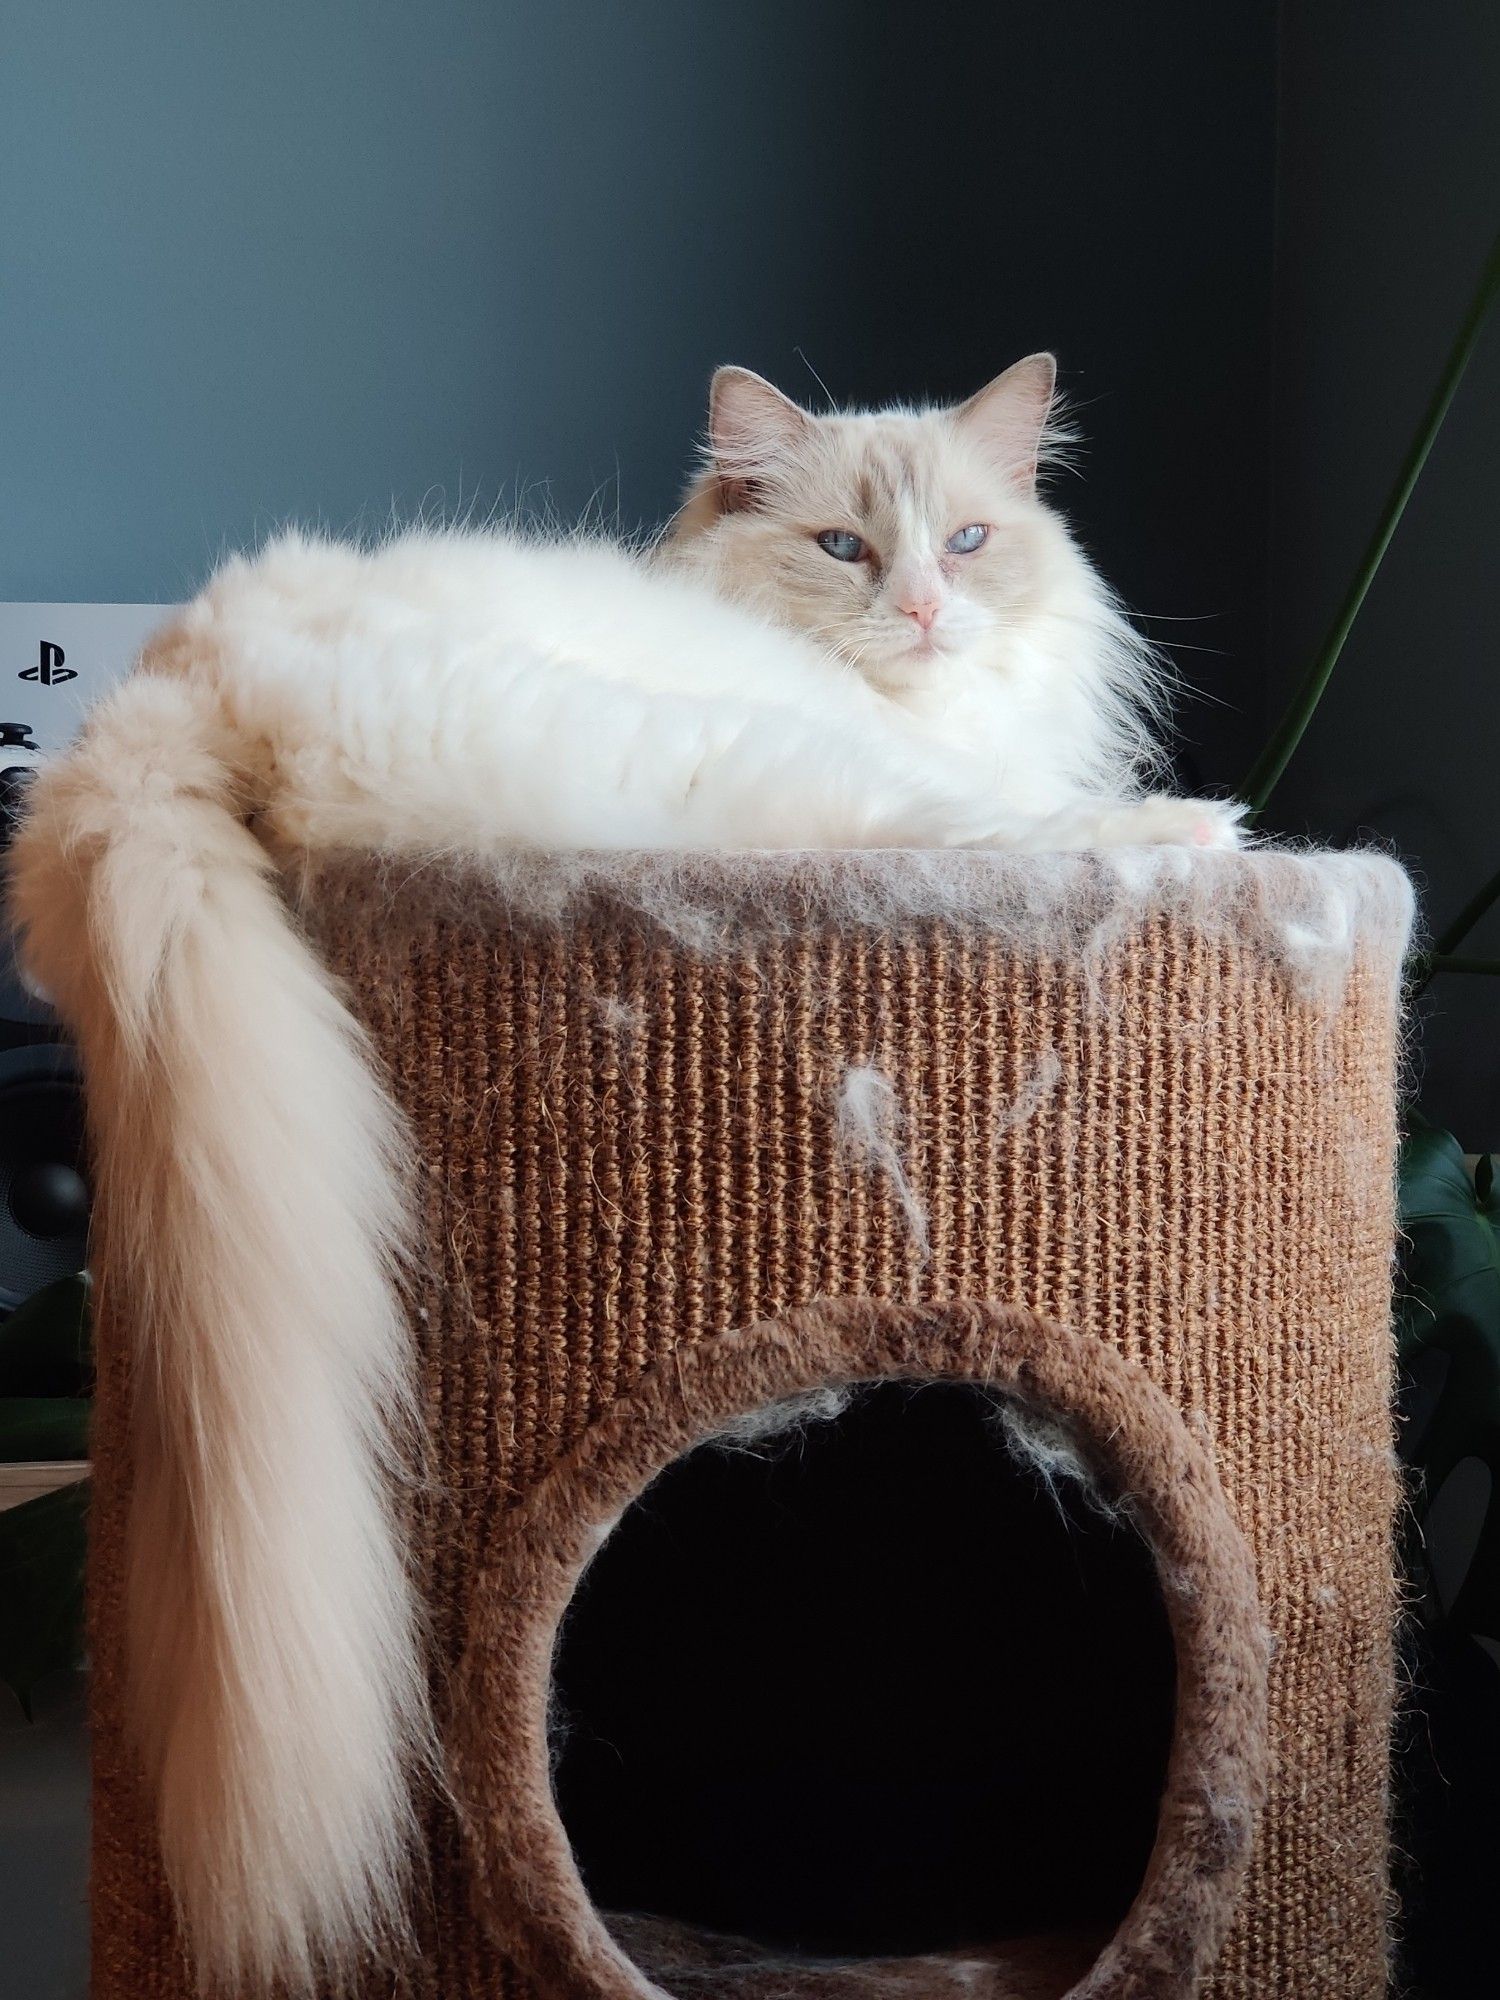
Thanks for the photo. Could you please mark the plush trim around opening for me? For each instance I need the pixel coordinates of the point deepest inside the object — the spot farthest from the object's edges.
(1134, 1444)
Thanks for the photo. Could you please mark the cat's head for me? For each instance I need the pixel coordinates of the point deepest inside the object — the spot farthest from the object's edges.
(900, 539)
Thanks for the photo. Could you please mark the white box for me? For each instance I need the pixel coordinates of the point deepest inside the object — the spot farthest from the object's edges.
(55, 659)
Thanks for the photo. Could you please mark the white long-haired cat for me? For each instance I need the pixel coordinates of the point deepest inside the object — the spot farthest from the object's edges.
(865, 631)
(914, 545)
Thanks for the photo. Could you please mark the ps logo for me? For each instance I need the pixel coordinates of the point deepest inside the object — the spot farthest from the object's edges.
(49, 669)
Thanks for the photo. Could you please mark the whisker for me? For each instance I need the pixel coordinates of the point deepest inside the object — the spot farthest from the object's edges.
(802, 357)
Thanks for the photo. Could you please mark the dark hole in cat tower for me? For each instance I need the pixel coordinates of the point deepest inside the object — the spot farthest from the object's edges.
(870, 1687)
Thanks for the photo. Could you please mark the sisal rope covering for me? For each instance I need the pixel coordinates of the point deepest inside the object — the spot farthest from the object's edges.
(631, 1145)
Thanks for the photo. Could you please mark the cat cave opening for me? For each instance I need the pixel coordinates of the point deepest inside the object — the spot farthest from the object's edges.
(877, 1680)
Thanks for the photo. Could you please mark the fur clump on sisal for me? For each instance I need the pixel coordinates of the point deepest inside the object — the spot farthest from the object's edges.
(253, 1221)
(867, 1117)
(1309, 912)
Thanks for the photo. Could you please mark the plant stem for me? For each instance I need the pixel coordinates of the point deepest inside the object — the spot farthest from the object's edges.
(1428, 964)
(1441, 957)
(1477, 906)
(1278, 753)
(1447, 962)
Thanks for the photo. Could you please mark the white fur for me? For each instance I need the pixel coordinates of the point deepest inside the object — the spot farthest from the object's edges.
(251, 1218)
(443, 693)
(868, 1122)
(485, 691)
(1022, 661)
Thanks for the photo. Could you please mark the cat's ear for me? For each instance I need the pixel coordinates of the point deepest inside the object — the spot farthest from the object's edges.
(750, 426)
(1009, 416)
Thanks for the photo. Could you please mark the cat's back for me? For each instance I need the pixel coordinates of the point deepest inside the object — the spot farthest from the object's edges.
(306, 611)
(309, 596)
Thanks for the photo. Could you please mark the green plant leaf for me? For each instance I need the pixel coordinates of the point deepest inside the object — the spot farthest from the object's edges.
(44, 1345)
(1449, 1303)
(43, 1427)
(1264, 777)
(41, 1588)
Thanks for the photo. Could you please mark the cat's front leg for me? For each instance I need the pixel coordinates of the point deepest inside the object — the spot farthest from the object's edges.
(1161, 821)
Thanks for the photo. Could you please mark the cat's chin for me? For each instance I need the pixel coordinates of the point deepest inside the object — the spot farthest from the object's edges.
(916, 670)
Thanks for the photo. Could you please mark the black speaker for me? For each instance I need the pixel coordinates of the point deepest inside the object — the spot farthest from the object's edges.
(44, 1196)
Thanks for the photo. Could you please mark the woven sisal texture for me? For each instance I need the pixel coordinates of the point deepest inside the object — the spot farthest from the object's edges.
(632, 1146)
(524, 1873)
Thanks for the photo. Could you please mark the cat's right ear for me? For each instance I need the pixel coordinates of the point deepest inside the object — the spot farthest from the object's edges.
(1009, 416)
(750, 425)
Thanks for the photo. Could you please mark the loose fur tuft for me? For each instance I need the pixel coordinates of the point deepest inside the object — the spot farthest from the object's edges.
(251, 1175)
(868, 1121)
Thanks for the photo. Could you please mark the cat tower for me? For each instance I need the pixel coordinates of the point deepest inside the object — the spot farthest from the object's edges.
(905, 1342)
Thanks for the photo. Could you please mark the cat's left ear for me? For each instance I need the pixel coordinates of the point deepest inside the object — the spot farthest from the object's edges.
(1009, 416)
(750, 425)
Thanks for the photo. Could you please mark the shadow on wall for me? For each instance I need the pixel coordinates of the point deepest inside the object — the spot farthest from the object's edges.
(1389, 154)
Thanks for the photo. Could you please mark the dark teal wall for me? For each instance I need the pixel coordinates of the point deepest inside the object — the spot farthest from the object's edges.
(1390, 198)
(283, 259)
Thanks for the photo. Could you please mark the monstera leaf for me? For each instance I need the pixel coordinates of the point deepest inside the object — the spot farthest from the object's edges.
(1448, 1327)
(44, 1345)
(41, 1588)
(37, 1428)
(45, 1377)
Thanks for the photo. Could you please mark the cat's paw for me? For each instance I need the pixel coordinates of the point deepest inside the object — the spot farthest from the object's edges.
(1215, 823)
(1169, 822)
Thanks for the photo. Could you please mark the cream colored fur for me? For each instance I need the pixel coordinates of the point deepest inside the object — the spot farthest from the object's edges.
(251, 1178)
(441, 694)
(1015, 652)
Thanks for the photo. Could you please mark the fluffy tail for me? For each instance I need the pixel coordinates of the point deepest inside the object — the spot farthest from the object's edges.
(253, 1221)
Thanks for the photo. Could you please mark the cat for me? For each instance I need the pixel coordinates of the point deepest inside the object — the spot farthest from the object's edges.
(762, 682)
(915, 545)
(861, 632)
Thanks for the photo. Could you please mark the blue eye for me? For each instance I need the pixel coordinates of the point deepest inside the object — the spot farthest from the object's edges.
(842, 545)
(964, 541)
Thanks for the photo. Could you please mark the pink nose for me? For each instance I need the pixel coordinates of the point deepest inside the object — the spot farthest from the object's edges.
(923, 609)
